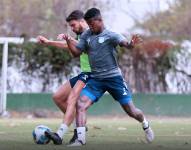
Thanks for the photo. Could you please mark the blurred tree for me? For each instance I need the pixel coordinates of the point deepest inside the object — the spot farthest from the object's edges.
(34, 17)
(145, 66)
(173, 23)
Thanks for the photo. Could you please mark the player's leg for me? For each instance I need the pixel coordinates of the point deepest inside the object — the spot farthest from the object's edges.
(90, 94)
(70, 114)
(82, 106)
(120, 92)
(61, 95)
(71, 105)
(73, 96)
(137, 114)
(71, 102)
(60, 98)
(77, 83)
(132, 111)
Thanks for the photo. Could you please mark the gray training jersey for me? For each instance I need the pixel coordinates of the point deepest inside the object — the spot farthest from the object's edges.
(101, 50)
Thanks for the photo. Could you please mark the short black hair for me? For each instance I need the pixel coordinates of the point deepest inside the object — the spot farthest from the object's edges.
(75, 15)
(91, 13)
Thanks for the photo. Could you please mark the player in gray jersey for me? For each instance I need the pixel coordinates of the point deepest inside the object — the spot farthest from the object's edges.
(100, 44)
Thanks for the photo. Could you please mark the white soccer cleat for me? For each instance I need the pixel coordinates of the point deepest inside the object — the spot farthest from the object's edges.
(149, 134)
(77, 143)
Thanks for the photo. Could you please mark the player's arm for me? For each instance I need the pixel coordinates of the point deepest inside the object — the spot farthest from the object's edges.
(59, 44)
(136, 39)
(72, 45)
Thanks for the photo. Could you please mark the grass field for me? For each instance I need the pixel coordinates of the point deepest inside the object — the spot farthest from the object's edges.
(104, 133)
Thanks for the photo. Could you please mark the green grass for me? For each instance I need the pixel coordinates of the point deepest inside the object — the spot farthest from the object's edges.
(104, 133)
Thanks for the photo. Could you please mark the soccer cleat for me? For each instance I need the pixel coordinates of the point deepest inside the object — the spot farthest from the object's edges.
(74, 138)
(149, 134)
(76, 143)
(54, 137)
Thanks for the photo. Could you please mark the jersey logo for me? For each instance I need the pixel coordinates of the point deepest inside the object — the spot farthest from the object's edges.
(101, 40)
(124, 91)
(88, 40)
(85, 77)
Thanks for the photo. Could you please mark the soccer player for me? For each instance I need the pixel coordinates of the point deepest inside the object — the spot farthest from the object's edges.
(67, 94)
(100, 45)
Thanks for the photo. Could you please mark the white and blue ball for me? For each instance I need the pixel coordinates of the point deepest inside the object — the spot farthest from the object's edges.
(39, 134)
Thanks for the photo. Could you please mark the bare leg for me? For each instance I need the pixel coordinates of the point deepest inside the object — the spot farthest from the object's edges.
(137, 114)
(61, 95)
(71, 102)
(133, 112)
(66, 98)
(82, 105)
(60, 98)
(70, 108)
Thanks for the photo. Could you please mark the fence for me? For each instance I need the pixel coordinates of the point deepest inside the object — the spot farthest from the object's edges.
(151, 104)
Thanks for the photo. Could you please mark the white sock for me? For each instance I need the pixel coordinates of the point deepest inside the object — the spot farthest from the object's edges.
(81, 134)
(62, 130)
(74, 124)
(145, 123)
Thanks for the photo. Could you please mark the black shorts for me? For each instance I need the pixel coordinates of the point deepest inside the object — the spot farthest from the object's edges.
(84, 76)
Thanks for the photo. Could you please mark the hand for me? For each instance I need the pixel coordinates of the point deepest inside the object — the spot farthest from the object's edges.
(64, 37)
(136, 39)
(42, 39)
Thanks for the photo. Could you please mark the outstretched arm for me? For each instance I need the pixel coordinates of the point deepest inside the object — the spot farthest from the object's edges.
(59, 44)
(136, 39)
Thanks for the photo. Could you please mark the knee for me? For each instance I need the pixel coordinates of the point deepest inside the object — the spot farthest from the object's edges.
(82, 104)
(73, 96)
(56, 98)
(80, 108)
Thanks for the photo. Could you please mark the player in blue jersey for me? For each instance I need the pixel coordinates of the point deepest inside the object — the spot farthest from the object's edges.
(100, 45)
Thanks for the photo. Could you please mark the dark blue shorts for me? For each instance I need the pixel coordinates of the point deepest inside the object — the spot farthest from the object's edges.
(84, 76)
(116, 86)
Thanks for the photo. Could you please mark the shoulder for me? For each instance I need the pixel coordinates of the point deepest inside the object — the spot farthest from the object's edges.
(108, 32)
(86, 33)
(115, 37)
(111, 33)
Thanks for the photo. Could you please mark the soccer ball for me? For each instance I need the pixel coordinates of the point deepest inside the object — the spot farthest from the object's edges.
(39, 134)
